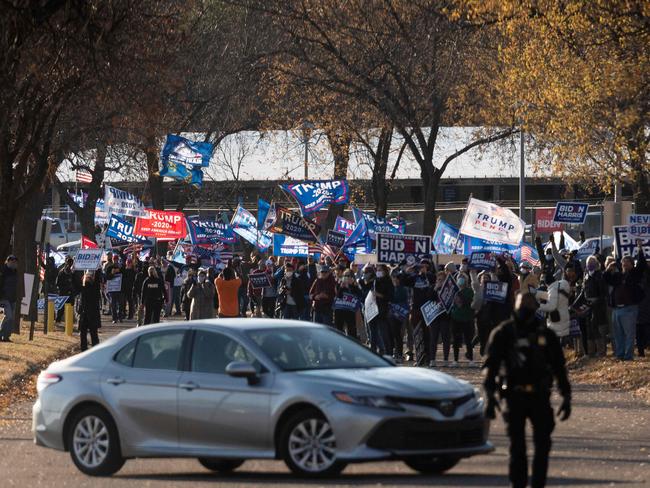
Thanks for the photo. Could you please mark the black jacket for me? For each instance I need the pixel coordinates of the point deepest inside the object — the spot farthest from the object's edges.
(8, 283)
(65, 283)
(297, 290)
(627, 287)
(89, 304)
(422, 285)
(153, 290)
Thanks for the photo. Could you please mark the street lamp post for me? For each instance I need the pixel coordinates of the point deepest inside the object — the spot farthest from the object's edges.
(307, 127)
(522, 176)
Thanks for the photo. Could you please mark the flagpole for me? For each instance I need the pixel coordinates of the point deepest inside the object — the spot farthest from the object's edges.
(461, 223)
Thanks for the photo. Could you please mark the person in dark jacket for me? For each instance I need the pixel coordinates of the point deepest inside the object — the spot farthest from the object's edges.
(113, 272)
(397, 317)
(378, 327)
(643, 317)
(65, 283)
(547, 261)
(140, 276)
(8, 284)
(152, 296)
(186, 301)
(322, 294)
(462, 319)
(128, 281)
(89, 308)
(421, 280)
(595, 294)
(291, 294)
(626, 294)
(532, 358)
(345, 319)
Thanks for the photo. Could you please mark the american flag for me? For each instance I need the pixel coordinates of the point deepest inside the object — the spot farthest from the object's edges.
(527, 255)
(324, 249)
(84, 176)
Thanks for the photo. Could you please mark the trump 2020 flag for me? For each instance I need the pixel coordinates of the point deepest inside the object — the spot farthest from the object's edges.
(488, 221)
(181, 151)
(209, 231)
(192, 176)
(446, 239)
(120, 202)
(245, 225)
(314, 195)
(376, 224)
(293, 225)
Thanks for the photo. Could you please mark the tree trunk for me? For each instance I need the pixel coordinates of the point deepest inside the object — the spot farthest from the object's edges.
(430, 195)
(340, 145)
(380, 186)
(641, 192)
(155, 185)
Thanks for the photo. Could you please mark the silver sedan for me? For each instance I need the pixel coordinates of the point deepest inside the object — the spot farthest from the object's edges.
(228, 390)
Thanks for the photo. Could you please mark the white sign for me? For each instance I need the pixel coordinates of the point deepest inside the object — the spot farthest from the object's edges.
(493, 223)
(639, 225)
(28, 279)
(88, 259)
(114, 285)
(120, 202)
(371, 309)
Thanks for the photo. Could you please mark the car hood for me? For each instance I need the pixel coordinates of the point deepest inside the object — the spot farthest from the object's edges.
(393, 381)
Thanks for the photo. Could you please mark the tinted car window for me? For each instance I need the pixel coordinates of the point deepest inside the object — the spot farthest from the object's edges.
(302, 348)
(212, 352)
(159, 350)
(125, 356)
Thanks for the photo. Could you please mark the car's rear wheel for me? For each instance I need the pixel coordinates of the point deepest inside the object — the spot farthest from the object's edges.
(432, 465)
(94, 444)
(308, 445)
(221, 465)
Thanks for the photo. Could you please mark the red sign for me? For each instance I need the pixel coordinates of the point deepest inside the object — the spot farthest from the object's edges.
(162, 225)
(544, 221)
(87, 243)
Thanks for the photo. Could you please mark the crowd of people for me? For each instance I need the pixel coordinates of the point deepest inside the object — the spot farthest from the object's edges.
(587, 306)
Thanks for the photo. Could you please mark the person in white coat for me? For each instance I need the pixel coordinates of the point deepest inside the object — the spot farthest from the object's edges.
(557, 299)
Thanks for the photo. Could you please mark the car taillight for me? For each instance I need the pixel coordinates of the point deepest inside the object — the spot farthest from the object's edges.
(46, 379)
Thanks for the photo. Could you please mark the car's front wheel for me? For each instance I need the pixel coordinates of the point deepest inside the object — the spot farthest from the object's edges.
(221, 465)
(431, 465)
(94, 444)
(308, 445)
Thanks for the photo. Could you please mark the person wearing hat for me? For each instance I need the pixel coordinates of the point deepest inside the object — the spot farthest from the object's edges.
(8, 284)
(65, 284)
(322, 294)
(527, 279)
(255, 294)
(89, 310)
(201, 294)
(269, 293)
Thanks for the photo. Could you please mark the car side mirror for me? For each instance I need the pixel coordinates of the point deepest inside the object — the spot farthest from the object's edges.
(242, 369)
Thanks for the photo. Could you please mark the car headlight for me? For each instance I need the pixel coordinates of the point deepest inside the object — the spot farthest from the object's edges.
(367, 400)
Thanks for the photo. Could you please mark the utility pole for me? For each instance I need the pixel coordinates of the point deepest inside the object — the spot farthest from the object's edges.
(307, 127)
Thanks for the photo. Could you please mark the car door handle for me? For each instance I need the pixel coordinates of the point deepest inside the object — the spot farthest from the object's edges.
(115, 381)
(189, 386)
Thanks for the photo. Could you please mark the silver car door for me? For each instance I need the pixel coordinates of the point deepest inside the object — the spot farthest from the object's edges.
(216, 411)
(140, 384)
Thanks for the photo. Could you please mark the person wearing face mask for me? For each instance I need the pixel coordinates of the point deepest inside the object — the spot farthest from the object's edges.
(440, 328)
(65, 283)
(186, 301)
(546, 260)
(255, 294)
(462, 319)
(8, 284)
(483, 309)
(89, 310)
(595, 294)
(228, 284)
(379, 327)
(269, 293)
(532, 358)
(322, 294)
(345, 318)
(555, 301)
(152, 296)
(291, 294)
(396, 321)
(201, 294)
(527, 279)
(420, 280)
(625, 296)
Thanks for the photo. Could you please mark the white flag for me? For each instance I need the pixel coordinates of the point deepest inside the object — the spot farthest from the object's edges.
(120, 202)
(488, 221)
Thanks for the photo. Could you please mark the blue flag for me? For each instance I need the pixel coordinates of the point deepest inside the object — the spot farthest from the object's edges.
(209, 232)
(263, 208)
(122, 230)
(474, 244)
(192, 176)
(289, 247)
(445, 239)
(376, 224)
(183, 152)
(358, 235)
(245, 225)
(314, 195)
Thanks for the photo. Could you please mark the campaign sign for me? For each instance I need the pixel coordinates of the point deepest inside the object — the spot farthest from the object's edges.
(161, 225)
(179, 150)
(122, 230)
(259, 280)
(448, 291)
(640, 226)
(114, 285)
(88, 259)
(485, 261)
(431, 310)
(347, 302)
(393, 248)
(471, 245)
(486, 220)
(289, 247)
(370, 309)
(398, 311)
(314, 195)
(120, 202)
(544, 222)
(59, 301)
(210, 232)
(245, 226)
(570, 212)
(335, 239)
(625, 243)
(375, 224)
(496, 291)
(343, 225)
(446, 239)
(293, 225)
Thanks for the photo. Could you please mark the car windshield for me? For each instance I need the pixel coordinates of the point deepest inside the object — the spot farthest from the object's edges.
(305, 348)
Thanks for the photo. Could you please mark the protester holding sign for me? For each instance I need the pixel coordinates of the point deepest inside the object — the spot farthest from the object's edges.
(595, 293)
(113, 272)
(421, 281)
(485, 321)
(462, 319)
(322, 294)
(291, 294)
(346, 304)
(378, 327)
(440, 328)
(66, 283)
(89, 310)
(399, 311)
(257, 282)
